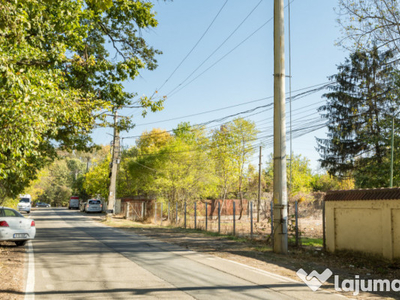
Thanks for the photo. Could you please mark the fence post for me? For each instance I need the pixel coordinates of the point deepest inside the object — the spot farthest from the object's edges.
(323, 226)
(234, 221)
(185, 214)
(161, 214)
(272, 224)
(155, 212)
(176, 214)
(142, 210)
(206, 217)
(219, 217)
(251, 219)
(168, 210)
(195, 216)
(296, 214)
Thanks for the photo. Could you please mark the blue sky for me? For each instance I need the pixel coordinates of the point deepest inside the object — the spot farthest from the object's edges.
(241, 68)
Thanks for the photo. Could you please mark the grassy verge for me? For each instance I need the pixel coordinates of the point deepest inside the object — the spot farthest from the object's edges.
(309, 242)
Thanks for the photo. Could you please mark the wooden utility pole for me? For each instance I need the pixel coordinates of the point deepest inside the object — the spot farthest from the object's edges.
(114, 167)
(259, 188)
(279, 189)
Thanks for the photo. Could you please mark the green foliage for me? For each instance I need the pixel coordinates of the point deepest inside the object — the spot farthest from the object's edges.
(53, 184)
(174, 166)
(232, 147)
(359, 111)
(53, 56)
(324, 183)
(302, 177)
(97, 180)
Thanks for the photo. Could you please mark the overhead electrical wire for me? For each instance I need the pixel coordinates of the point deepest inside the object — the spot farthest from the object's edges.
(316, 88)
(194, 47)
(204, 61)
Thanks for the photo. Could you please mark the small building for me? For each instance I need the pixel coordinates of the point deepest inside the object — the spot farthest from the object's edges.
(366, 220)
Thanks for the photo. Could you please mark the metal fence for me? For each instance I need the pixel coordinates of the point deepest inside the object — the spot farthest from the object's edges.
(305, 219)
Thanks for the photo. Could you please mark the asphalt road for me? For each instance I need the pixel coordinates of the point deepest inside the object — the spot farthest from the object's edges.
(74, 257)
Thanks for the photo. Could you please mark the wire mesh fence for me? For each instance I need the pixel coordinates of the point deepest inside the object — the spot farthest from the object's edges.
(238, 218)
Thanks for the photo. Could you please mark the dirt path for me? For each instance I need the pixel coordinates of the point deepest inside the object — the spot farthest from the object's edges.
(12, 265)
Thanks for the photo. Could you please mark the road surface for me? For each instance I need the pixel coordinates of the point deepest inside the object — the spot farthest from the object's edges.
(74, 257)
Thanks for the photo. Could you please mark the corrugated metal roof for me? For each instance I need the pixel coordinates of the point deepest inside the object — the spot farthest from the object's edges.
(363, 194)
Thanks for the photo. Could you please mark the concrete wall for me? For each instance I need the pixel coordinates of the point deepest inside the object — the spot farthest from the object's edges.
(370, 226)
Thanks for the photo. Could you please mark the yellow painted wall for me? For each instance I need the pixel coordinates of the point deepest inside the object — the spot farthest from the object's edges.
(370, 226)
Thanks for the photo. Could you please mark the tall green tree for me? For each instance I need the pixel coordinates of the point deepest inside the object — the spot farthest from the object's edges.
(97, 180)
(238, 141)
(54, 185)
(359, 112)
(225, 168)
(53, 56)
(185, 171)
(139, 163)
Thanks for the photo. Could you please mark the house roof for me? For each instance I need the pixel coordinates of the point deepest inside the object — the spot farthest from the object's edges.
(363, 194)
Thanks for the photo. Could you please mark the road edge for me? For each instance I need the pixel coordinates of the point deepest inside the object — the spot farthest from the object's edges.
(30, 280)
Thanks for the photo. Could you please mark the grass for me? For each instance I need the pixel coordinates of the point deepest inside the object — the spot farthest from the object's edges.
(307, 241)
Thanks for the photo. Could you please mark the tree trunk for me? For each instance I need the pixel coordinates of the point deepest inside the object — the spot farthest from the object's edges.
(241, 198)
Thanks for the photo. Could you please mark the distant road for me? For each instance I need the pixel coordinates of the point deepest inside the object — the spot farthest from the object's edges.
(77, 258)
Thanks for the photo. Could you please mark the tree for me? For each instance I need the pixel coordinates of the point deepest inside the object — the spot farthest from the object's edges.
(241, 135)
(359, 111)
(139, 164)
(225, 167)
(97, 179)
(53, 55)
(53, 184)
(302, 177)
(367, 22)
(185, 172)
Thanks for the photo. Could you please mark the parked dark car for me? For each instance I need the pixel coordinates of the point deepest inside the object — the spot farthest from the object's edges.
(42, 204)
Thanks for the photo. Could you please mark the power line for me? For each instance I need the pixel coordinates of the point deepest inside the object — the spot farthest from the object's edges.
(194, 47)
(296, 97)
(314, 89)
(233, 32)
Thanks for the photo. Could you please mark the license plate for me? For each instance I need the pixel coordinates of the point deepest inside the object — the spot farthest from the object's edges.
(20, 235)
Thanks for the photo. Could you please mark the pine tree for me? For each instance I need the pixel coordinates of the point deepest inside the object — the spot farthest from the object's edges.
(359, 111)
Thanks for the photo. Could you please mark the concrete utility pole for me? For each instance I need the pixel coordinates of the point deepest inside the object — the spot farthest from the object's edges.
(259, 188)
(114, 167)
(280, 189)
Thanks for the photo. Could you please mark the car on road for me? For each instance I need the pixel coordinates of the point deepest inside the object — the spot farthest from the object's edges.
(24, 205)
(14, 227)
(93, 205)
(42, 204)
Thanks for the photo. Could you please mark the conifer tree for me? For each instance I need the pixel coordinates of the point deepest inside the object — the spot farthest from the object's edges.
(359, 110)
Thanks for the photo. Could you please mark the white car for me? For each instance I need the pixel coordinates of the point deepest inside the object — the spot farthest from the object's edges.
(24, 205)
(93, 205)
(14, 227)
